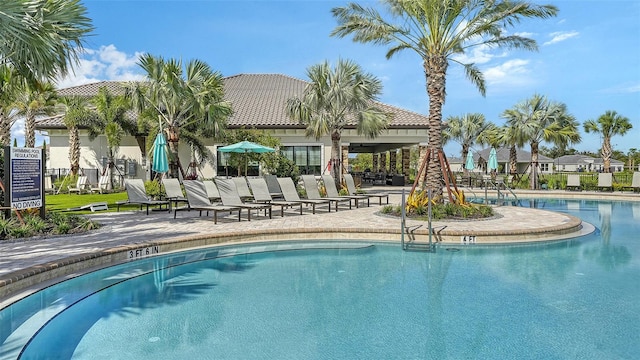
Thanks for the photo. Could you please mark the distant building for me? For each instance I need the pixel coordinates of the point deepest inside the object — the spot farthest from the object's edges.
(523, 159)
(584, 163)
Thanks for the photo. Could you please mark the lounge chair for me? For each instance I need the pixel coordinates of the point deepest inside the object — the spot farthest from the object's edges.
(81, 185)
(102, 186)
(274, 188)
(573, 182)
(198, 199)
(212, 190)
(261, 195)
(137, 195)
(49, 187)
(243, 188)
(351, 188)
(290, 193)
(173, 192)
(313, 193)
(332, 191)
(605, 181)
(635, 183)
(230, 197)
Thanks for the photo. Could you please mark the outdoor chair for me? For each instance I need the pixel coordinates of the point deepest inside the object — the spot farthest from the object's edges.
(261, 195)
(49, 187)
(313, 193)
(274, 187)
(230, 197)
(605, 181)
(243, 188)
(573, 182)
(137, 195)
(290, 193)
(351, 188)
(212, 190)
(635, 182)
(102, 186)
(173, 192)
(81, 185)
(198, 199)
(332, 191)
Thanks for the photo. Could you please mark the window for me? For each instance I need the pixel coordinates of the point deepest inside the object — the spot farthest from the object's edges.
(544, 167)
(307, 158)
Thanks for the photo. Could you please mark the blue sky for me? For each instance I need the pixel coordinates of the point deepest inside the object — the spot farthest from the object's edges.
(588, 58)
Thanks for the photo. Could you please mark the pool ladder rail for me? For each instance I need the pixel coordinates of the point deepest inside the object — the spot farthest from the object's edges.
(411, 244)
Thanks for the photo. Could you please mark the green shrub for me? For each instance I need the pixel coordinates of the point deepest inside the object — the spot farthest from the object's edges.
(153, 189)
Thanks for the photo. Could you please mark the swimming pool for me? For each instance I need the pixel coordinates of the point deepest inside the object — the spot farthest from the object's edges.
(344, 300)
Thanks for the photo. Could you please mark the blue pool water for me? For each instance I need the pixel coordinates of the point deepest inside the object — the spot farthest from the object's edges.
(575, 299)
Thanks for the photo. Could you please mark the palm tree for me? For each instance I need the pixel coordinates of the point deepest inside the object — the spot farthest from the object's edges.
(336, 98)
(438, 31)
(608, 124)
(512, 136)
(42, 39)
(10, 87)
(187, 104)
(76, 114)
(111, 120)
(538, 120)
(36, 99)
(468, 130)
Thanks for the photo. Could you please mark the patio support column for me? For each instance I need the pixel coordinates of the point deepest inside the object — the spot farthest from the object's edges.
(406, 163)
(423, 155)
(374, 164)
(383, 162)
(345, 158)
(392, 161)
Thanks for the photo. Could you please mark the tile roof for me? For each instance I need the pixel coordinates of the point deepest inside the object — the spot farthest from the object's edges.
(258, 100)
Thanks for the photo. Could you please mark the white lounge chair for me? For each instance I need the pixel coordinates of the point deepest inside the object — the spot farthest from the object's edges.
(102, 185)
(212, 190)
(173, 191)
(573, 182)
(49, 187)
(198, 199)
(81, 185)
(635, 182)
(605, 181)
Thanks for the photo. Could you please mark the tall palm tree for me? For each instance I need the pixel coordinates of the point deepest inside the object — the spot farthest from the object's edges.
(42, 39)
(76, 114)
(187, 104)
(111, 120)
(10, 88)
(438, 31)
(37, 98)
(538, 120)
(468, 130)
(336, 98)
(608, 124)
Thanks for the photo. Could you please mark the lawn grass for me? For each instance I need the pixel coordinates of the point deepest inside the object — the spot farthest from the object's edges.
(64, 202)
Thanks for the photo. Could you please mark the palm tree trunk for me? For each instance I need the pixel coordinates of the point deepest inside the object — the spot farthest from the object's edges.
(435, 71)
(5, 130)
(173, 138)
(606, 154)
(336, 154)
(29, 130)
(74, 150)
(465, 152)
(513, 161)
(533, 181)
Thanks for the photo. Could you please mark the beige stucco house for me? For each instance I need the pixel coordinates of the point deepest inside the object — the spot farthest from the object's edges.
(258, 101)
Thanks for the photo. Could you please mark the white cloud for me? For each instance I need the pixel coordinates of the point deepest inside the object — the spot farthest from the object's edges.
(480, 54)
(105, 63)
(627, 88)
(560, 36)
(510, 72)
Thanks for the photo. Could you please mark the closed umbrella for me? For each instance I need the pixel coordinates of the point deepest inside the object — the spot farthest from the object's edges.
(160, 162)
(493, 160)
(469, 164)
(246, 147)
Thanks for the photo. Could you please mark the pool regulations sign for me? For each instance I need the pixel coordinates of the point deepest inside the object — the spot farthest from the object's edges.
(24, 167)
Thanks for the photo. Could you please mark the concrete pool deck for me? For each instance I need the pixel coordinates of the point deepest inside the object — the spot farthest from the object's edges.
(25, 264)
